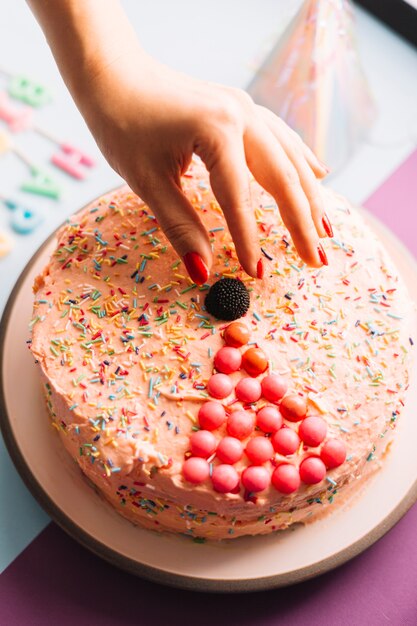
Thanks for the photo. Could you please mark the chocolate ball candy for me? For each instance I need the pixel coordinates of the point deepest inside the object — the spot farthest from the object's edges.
(285, 441)
(269, 419)
(220, 386)
(195, 470)
(236, 334)
(248, 390)
(229, 450)
(203, 443)
(259, 450)
(274, 387)
(312, 430)
(293, 408)
(256, 478)
(254, 361)
(333, 453)
(240, 424)
(211, 415)
(227, 360)
(225, 478)
(286, 478)
(312, 470)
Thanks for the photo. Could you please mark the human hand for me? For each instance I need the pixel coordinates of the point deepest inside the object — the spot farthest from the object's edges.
(148, 130)
(149, 120)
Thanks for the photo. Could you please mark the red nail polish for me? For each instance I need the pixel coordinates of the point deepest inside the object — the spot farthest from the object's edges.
(322, 255)
(196, 267)
(260, 269)
(324, 166)
(327, 226)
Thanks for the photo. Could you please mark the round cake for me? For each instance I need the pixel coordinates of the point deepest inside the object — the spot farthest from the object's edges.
(237, 407)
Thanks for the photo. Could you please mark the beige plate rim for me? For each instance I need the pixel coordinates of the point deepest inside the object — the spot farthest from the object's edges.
(152, 573)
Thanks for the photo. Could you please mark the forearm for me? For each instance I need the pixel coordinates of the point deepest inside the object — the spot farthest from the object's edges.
(85, 37)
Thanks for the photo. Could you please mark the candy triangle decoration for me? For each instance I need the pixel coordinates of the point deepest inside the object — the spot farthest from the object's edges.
(42, 184)
(28, 91)
(313, 79)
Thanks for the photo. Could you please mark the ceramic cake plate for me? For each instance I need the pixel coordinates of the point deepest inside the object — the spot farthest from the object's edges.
(244, 564)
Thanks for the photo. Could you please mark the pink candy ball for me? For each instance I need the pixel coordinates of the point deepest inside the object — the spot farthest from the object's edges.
(227, 360)
(220, 386)
(240, 424)
(285, 441)
(312, 430)
(255, 478)
(312, 470)
(274, 387)
(229, 450)
(248, 390)
(286, 478)
(269, 419)
(195, 470)
(203, 443)
(333, 453)
(259, 450)
(211, 415)
(225, 478)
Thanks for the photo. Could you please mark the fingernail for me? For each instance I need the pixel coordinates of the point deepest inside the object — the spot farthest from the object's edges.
(322, 254)
(324, 166)
(196, 267)
(260, 269)
(327, 226)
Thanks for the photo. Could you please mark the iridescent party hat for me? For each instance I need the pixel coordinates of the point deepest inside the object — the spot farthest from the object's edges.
(313, 79)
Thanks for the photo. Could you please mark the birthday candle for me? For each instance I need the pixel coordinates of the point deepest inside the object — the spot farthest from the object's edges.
(6, 244)
(17, 118)
(24, 220)
(29, 91)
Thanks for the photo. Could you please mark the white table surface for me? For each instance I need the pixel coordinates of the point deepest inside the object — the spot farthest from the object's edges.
(216, 40)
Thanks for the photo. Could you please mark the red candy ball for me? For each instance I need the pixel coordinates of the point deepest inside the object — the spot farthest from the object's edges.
(248, 390)
(255, 478)
(227, 360)
(269, 419)
(333, 453)
(259, 450)
(203, 443)
(293, 408)
(236, 334)
(312, 430)
(196, 470)
(286, 478)
(229, 450)
(274, 387)
(225, 478)
(312, 470)
(285, 441)
(254, 361)
(211, 415)
(220, 386)
(240, 424)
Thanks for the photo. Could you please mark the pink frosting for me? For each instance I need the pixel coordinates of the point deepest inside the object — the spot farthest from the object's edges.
(126, 348)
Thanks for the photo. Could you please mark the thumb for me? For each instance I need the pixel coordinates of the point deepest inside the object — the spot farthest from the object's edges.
(183, 227)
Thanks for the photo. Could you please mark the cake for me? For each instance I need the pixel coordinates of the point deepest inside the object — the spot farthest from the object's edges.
(238, 407)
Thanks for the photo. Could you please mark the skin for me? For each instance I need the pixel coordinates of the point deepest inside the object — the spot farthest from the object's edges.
(148, 120)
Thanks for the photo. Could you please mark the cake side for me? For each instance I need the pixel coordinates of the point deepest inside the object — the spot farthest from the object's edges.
(126, 349)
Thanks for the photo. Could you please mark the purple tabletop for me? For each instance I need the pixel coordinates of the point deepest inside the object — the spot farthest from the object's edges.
(56, 581)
